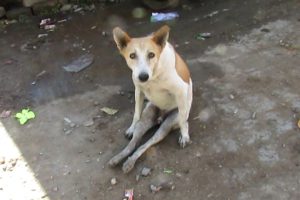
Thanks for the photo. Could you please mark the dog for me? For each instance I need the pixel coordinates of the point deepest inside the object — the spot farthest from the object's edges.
(161, 76)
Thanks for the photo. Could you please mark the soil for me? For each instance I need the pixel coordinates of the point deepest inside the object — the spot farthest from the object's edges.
(243, 124)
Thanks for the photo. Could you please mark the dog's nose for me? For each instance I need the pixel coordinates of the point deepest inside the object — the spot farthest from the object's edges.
(143, 77)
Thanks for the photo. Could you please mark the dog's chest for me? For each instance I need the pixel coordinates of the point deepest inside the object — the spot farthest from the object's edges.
(159, 96)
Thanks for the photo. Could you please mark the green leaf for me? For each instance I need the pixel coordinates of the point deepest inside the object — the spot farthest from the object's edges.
(30, 115)
(23, 120)
(19, 115)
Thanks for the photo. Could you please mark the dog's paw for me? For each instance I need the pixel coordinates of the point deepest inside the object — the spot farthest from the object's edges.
(114, 161)
(129, 132)
(184, 141)
(128, 165)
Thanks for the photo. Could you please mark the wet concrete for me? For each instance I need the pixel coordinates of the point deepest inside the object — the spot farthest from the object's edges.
(243, 121)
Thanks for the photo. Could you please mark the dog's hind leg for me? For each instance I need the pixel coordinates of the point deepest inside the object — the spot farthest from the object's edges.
(147, 121)
(171, 122)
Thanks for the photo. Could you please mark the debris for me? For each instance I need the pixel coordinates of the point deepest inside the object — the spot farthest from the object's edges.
(129, 194)
(61, 21)
(137, 177)
(50, 27)
(13, 21)
(2, 160)
(55, 189)
(168, 171)
(88, 123)
(298, 123)
(155, 189)
(146, 171)
(41, 73)
(253, 116)
(45, 22)
(231, 96)
(5, 114)
(235, 111)
(113, 181)
(24, 116)
(166, 185)
(203, 36)
(211, 14)
(104, 34)
(68, 132)
(109, 111)
(42, 35)
(78, 9)
(93, 27)
(80, 63)
(92, 139)
(67, 120)
(157, 17)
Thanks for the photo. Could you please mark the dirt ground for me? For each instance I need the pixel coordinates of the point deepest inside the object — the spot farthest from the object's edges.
(243, 124)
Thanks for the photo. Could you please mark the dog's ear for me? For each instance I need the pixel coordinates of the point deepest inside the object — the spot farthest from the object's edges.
(121, 38)
(161, 36)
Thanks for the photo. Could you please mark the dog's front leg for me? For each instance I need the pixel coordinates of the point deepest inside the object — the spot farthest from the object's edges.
(139, 100)
(183, 114)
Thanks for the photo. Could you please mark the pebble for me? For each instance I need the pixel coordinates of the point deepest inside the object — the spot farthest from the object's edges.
(146, 171)
(113, 181)
(253, 115)
(155, 189)
(92, 140)
(55, 189)
(2, 160)
(231, 96)
(88, 123)
(137, 177)
(68, 132)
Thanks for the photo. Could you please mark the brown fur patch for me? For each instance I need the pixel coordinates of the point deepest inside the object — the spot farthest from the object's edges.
(182, 69)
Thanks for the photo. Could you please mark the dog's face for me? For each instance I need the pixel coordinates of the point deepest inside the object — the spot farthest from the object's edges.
(141, 54)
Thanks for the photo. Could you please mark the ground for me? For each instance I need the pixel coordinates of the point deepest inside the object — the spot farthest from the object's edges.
(243, 124)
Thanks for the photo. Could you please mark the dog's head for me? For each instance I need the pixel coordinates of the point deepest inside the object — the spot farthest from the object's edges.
(141, 54)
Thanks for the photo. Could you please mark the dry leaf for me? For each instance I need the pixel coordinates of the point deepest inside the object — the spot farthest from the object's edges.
(109, 111)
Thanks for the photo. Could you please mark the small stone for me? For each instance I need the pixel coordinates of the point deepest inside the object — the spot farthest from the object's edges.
(253, 116)
(55, 189)
(92, 140)
(154, 188)
(2, 160)
(231, 96)
(68, 132)
(104, 34)
(236, 111)
(88, 123)
(137, 177)
(178, 175)
(146, 171)
(72, 125)
(113, 181)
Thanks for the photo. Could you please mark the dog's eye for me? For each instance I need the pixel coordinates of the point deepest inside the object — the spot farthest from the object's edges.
(151, 55)
(132, 55)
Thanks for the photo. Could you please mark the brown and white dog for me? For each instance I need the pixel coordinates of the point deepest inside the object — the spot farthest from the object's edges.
(161, 76)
